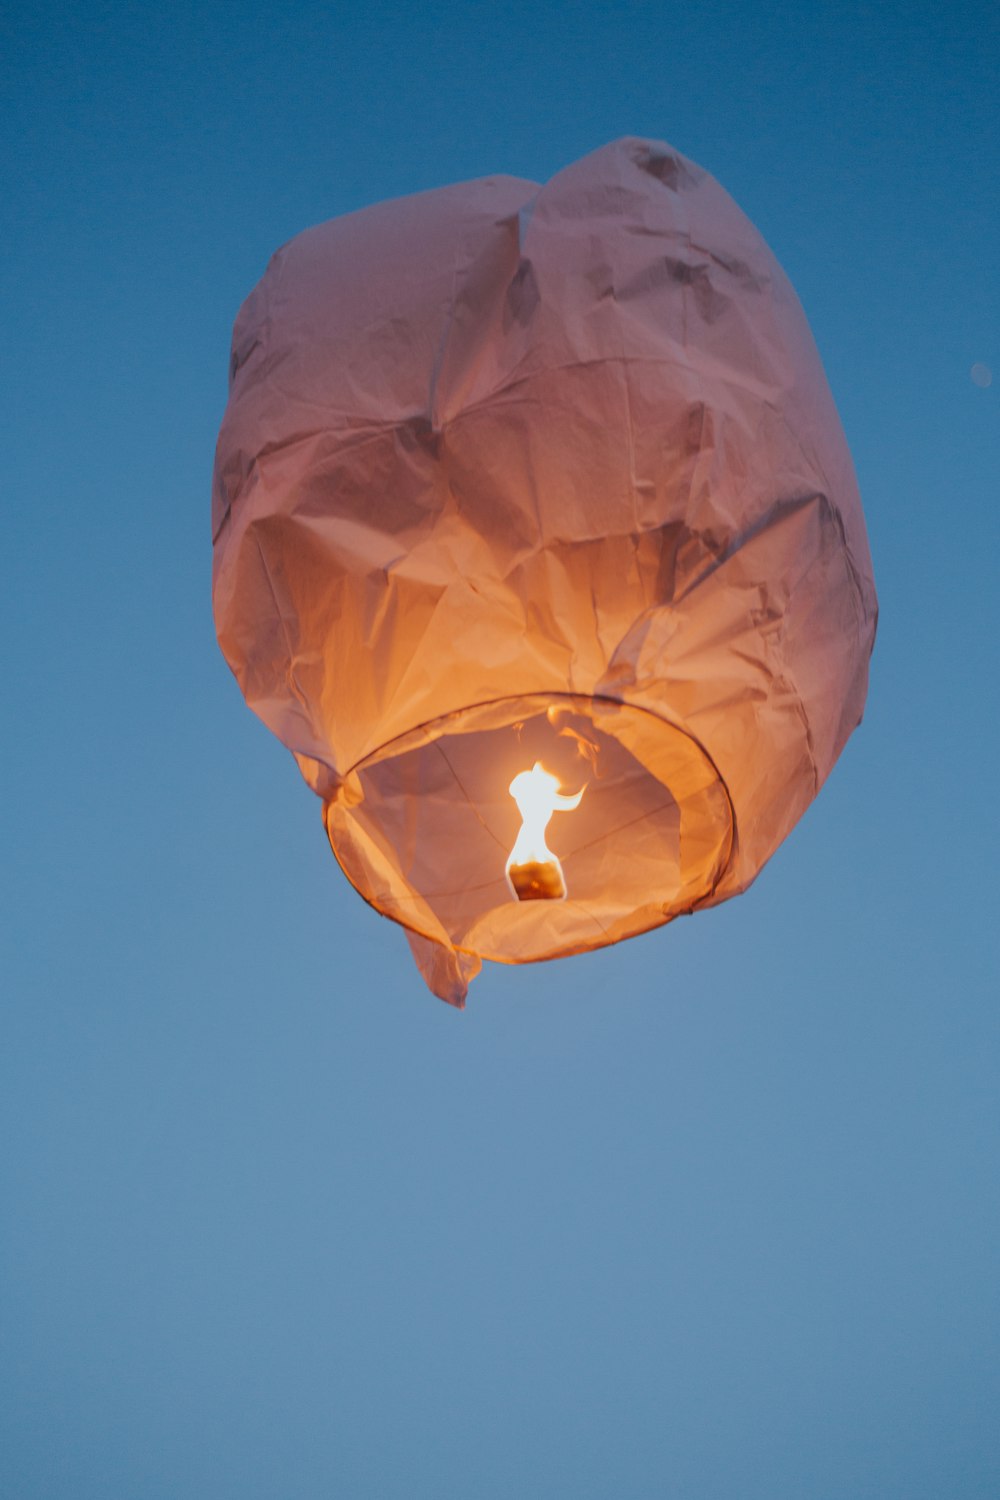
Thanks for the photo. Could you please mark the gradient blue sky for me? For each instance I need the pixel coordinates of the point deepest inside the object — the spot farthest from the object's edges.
(711, 1215)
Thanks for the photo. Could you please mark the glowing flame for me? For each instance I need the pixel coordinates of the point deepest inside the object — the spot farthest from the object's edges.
(533, 871)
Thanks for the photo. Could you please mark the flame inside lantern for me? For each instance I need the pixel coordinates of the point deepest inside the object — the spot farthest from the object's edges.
(533, 871)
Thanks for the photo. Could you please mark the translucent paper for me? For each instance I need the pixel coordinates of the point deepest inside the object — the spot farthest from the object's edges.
(513, 474)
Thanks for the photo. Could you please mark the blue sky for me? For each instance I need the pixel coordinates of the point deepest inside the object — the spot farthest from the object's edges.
(710, 1214)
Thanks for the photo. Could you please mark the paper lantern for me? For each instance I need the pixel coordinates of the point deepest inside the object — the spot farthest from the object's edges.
(534, 491)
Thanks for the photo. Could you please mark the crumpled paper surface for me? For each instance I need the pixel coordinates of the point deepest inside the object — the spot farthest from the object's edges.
(518, 452)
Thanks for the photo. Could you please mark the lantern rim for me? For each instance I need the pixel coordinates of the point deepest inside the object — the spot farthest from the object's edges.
(348, 794)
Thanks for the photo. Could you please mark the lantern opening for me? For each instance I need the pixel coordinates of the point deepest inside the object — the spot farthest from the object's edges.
(422, 827)
(533, 871)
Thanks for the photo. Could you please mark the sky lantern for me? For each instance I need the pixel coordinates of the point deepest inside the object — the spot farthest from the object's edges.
(538, 543)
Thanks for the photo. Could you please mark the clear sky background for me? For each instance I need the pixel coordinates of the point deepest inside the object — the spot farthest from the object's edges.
(710, 1215)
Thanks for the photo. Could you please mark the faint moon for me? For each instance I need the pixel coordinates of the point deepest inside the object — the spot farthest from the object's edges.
(982, 375)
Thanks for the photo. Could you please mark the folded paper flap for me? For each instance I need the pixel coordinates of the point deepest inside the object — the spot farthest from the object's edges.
(446, 972)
